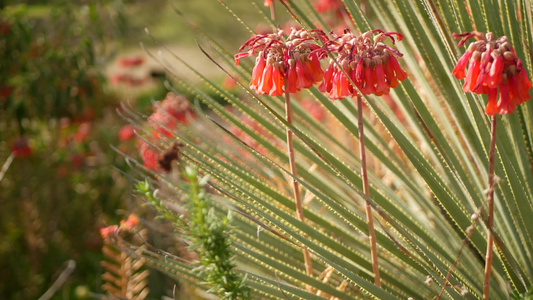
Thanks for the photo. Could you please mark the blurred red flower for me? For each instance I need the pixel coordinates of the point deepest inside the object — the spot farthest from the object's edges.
(126, 133)
(130, 222)
(83, 133)
(20, 147)
(149, 156)
(107, 231)
(132, 61)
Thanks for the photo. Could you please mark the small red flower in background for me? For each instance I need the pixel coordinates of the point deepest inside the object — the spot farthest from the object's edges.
(21, 148)
(107, 231)
(163, 123)
(132, 61)
(129, 223)
(126, 225)
(172, 110)
(495, 70)
(126, 133)
(327, 5)
(86, 116)
(149, 156)
(177, 106)
(314, 108)
(127, 79)
(5, 28)
(83, 133)
(370, 64)
(229, 83)
(77, 161)
(116, 79)
(5, 92)
(293, 62)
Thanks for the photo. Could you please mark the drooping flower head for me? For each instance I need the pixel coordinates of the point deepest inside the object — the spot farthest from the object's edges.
(369, 63)
(495, 70)
(291, 61)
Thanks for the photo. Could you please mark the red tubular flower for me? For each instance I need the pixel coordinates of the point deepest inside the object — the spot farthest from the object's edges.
(473, 74)
(399, 72)
(107, 231)
(495, 70)
(266, 80)
(492, 107)
(341, 86)
(290, 61)
(327, 82)
(277, 81)
(381, 85)
(257, 73)
(459, 70)
(370, 64)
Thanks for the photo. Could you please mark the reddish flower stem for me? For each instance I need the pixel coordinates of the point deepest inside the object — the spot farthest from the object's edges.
(366, 189)
(490, 221)
(295, 186)
(273, 11)
(451, 270)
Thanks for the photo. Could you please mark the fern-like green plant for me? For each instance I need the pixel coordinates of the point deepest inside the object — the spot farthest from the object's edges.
(428, 146)
(124, 276)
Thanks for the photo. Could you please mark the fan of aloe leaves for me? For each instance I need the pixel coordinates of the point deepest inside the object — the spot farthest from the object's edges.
(428, 144)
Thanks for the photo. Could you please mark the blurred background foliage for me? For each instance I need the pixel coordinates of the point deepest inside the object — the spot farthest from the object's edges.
(60, 87)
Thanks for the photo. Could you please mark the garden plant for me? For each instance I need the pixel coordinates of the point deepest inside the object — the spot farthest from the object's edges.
(364, 149)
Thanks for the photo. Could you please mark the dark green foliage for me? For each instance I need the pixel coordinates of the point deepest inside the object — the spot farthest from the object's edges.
(525, 296)
(207, 233)
(52, 93)
(210, 238)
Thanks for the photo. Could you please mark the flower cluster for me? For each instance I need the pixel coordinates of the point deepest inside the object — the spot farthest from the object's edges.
(128, 76)
(172, 110)
(282, 65)
(495, 70)
(126, 225)
(370, 64)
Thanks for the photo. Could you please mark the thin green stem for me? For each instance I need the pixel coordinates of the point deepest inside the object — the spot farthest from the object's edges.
(490, 221)
(366, 189)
